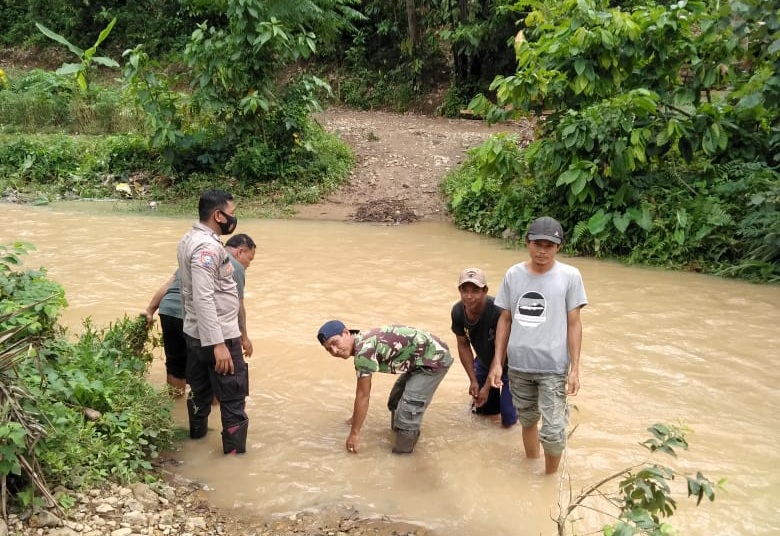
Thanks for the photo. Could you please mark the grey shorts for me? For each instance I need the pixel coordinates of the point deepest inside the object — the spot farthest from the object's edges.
(542, 396)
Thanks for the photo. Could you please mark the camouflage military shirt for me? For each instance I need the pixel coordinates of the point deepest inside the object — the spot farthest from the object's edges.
(398, 349)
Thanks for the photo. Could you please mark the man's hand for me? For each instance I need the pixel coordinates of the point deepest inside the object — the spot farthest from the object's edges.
(494, 377)
(474, 389)
(482, 396)
(246, 344)
(573, 383)
(352, 442)
(223, 361)
(149, 315)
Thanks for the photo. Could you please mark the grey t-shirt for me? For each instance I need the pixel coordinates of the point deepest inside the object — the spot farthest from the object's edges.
(539, 305)
(239, 275)
(170, 304)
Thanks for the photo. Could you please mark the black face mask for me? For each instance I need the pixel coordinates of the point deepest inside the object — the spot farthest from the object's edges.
(228, 226)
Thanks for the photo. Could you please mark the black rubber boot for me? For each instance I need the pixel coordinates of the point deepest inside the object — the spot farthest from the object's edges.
(405, 440)
(199, 426)
(234, 438)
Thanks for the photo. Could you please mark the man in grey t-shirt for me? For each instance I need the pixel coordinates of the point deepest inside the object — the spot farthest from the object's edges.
(539, 334)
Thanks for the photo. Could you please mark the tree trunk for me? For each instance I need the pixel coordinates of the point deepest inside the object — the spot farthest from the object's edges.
(411, 20)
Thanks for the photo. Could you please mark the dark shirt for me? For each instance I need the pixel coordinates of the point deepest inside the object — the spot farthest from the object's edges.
(482, 333)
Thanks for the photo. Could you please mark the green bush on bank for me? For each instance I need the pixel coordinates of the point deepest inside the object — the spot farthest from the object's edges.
(146, 141)
(100, 418)
(58, 142)
(657, 135)
(726, 221)
(81, 166)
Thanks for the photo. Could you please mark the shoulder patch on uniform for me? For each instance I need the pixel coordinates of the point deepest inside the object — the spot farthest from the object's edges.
(207, 259)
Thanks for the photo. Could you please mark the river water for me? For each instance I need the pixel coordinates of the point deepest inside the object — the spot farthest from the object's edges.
(658, 347)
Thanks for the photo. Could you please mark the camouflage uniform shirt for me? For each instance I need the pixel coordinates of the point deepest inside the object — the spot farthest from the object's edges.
(399, 349)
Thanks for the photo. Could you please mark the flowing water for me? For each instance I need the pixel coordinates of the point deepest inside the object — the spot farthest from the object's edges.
(658, 347)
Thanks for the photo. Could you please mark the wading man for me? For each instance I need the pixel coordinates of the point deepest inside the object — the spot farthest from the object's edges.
(215, 361)
(474, 320)
(421, 359)
(540, 335)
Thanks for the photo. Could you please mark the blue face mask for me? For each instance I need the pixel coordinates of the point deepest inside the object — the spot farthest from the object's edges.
(227, 227)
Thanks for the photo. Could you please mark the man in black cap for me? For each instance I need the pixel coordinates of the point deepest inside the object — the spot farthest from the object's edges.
(539, 335)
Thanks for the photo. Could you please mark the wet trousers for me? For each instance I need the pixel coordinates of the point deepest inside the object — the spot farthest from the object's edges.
(411, 395)
(205, 384)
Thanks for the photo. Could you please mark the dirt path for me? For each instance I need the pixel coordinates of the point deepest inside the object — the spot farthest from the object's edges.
(401, 160)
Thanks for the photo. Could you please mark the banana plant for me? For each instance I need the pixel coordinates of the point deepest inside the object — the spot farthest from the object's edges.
(81, 71)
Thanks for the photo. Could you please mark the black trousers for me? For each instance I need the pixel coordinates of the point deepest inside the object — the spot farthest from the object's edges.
(230, 389)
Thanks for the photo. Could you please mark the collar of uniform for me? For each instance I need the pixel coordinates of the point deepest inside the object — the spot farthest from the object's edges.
(206, 229)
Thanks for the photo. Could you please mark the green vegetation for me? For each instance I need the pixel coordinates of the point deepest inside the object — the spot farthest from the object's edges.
(658, 135)
(657, 140)
(238, 125)
(644, 497)
(74, 413)
(82, 70)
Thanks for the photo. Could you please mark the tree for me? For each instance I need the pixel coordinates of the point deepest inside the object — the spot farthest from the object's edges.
(82, 70)
(654, 102)
(246, 115)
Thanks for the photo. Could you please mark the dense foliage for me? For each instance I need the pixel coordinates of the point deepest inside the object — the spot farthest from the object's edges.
(74, 413)
(244, 121)
(378, 54)
(161, 26)
(658, 135)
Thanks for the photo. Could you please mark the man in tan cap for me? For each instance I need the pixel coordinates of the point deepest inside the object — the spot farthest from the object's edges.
(474, 320)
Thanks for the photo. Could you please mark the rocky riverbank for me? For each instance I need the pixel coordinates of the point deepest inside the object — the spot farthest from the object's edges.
(183, 509)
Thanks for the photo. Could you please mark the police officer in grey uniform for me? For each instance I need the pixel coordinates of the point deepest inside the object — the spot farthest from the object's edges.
(215, 361)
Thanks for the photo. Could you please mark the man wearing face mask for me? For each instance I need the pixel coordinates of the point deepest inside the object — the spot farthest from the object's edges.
(215, 363)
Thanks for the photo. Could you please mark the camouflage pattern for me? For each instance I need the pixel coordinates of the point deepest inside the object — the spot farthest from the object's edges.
(399, 349)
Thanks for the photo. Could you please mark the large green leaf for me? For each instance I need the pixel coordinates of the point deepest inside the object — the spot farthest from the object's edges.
(598, 222)
(103, 60)
(57, 37)
(69, 68)
(621, 222)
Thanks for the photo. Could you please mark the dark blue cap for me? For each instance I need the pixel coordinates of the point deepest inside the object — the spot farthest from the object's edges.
(330, 329)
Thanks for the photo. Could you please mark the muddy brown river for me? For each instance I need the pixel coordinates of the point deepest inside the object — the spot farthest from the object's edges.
(658, 347)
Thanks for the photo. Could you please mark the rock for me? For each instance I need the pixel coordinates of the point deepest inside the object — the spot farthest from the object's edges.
(145, 494)
(104, 508)
(44, 518)
(135, 519)
(64, 531)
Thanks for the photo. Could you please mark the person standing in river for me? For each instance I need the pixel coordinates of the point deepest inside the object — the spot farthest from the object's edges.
(241, 249)
(539, 335)
(167, 302)
(215, 361)
(474, 320)
(421, 359)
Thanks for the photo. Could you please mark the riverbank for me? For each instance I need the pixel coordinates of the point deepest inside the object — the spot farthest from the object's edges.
(179, 508)
(400, 162)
